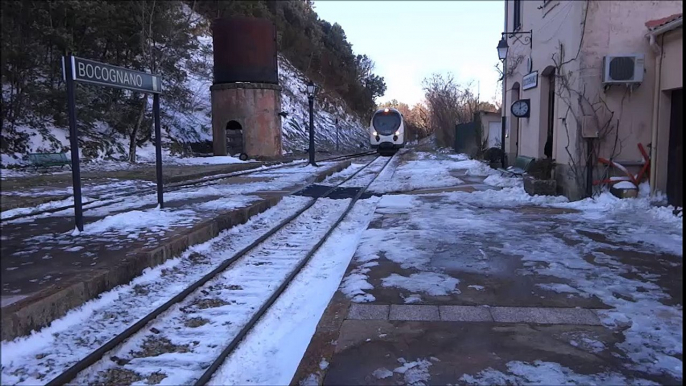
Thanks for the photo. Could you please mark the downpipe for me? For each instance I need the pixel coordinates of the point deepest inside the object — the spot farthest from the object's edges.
(589, 167)
(656, 114)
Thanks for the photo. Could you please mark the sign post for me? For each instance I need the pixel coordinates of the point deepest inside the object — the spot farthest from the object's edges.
(89, 71)
(74, 143)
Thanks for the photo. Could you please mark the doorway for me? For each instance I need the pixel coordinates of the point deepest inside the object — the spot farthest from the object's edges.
(234, 138)
(675, 168)
(494, 133)
(548, 148)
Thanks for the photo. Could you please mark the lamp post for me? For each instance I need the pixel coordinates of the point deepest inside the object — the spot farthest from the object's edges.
(311, 91)
(502, 55)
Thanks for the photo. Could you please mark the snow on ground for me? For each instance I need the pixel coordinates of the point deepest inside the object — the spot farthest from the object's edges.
(42, 355)
(547, 373)
(100, 189)
(46, 206)
(431, 283)
(499, 180)
(414, 373)
(343, 174)
(422, 173)
(145, 158)
(222, 196)
(221, 308)
(640, 309)
(270, 354)
(152, 220)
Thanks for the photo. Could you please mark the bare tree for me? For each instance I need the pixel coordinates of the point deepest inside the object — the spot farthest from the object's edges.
(156, 43)
(449, 104)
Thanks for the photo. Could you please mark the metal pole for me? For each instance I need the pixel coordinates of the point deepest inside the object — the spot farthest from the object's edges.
(311, 100)
(503, 118)
(589, 167)
(503, 107)
(158, 148)
(503, 159)
(74, 141)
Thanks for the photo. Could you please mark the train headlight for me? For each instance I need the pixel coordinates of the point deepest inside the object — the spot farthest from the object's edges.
(397, 133)
(375, 134)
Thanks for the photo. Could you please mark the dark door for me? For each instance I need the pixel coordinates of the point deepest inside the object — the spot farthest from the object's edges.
(548, 148)
(234, 138)
(675, 163)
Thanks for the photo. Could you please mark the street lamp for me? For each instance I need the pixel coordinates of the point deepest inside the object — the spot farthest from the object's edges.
(502, 48)
(311, 91)
(502, 55)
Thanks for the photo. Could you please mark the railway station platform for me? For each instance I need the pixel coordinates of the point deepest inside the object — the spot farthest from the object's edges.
(455, 289)
(48, 268)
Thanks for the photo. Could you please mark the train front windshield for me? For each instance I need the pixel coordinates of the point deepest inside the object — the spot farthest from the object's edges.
(386, 123)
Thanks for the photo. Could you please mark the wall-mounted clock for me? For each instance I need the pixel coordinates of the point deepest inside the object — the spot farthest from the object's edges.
(521, 108)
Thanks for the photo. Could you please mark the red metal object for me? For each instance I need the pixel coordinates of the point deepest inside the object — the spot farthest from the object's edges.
(636, 180)
(244, 51)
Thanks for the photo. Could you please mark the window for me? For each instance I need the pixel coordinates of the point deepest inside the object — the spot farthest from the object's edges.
(517, 16)
(386, 123)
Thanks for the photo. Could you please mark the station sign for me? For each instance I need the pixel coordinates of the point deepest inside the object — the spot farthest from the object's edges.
(90, 71)
(530, 80)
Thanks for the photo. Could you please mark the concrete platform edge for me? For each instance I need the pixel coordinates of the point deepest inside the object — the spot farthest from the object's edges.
(40, 309)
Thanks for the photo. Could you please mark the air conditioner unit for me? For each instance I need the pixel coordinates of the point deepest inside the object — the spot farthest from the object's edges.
(623, 69)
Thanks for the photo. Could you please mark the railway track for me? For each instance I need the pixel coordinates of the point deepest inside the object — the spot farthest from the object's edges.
(209, 180)
(234, 295)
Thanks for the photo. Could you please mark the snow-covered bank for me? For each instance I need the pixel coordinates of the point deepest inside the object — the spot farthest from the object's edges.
(193, 125)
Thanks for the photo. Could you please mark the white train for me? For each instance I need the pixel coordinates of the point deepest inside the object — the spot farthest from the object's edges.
(387, 131)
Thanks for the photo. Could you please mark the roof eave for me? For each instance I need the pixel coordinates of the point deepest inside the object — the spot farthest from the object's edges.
(666, 28)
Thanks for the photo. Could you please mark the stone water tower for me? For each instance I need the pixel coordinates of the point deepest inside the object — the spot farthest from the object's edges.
(246, 97)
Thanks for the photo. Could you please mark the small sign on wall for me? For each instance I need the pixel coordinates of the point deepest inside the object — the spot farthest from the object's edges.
(530, 80)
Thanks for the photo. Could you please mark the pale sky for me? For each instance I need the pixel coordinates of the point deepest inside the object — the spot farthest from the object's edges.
(410, 40)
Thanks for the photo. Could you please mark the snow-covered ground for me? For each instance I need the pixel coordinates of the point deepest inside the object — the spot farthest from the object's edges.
(413, 238)
(639, 306)
(43, 355)
(271, 353)
(221, 195)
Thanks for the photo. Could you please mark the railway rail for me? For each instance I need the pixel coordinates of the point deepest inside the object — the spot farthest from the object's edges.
(119, 197)
(246, 280)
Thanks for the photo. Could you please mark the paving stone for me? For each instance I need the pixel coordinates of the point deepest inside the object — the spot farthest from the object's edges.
(518, 315)
(573, 316)
(544, 315)
(368, 312)
(464, 314)
(414, 312)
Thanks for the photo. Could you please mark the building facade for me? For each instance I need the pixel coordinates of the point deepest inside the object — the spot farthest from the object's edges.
(600, 77)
